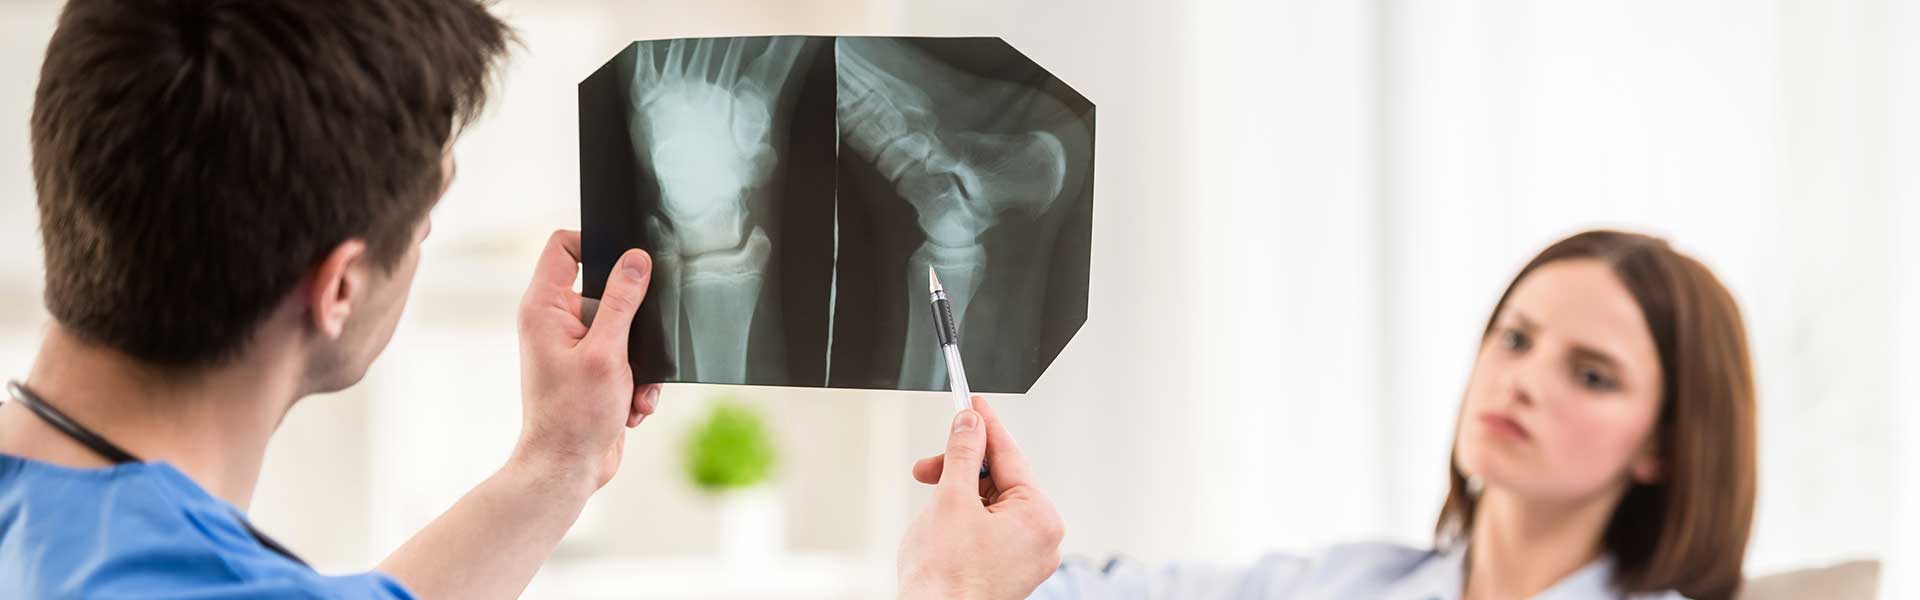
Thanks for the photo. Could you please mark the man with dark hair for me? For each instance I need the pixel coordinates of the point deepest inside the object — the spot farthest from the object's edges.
(232, 197)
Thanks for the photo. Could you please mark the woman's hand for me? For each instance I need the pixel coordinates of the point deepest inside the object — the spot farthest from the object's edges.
(990, 538)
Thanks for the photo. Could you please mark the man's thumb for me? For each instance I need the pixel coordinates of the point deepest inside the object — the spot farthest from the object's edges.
(966, 447)
(626, 287)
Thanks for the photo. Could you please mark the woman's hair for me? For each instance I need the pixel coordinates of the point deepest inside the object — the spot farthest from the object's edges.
(1688, 532)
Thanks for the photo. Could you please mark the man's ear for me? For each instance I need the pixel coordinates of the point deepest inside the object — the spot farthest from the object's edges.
(335, 284)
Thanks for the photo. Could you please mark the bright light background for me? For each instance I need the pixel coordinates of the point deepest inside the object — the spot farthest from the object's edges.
(1305, 210)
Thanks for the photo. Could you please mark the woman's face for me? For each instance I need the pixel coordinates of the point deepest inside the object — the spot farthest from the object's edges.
(1566, 389)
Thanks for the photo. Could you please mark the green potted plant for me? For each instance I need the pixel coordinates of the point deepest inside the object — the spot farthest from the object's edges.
(730, 456)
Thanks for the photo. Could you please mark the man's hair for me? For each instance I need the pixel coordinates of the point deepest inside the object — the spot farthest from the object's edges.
(195, 158)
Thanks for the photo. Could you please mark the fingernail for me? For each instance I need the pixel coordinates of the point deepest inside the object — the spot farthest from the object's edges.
(633, 269)
(653, 398)
(966, 421)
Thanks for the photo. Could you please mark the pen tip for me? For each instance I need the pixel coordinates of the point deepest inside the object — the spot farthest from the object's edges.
(933, 282)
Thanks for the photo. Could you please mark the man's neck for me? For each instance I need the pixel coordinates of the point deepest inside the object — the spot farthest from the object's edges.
(212, 424)
(1520, 548)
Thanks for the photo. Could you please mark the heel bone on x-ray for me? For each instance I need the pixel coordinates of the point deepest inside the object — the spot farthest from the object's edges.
(790, 187)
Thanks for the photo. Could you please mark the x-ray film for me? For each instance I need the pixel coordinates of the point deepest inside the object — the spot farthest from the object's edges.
(793, 191)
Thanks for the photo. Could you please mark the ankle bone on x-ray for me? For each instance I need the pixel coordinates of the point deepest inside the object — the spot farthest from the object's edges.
(706, 134)
(704, 123)
(959, 178)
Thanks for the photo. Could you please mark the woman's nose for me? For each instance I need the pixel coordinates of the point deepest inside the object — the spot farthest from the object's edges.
(1521, 395)
(1522, 381)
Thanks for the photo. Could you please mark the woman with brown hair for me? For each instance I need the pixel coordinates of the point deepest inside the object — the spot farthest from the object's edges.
(1604, 449)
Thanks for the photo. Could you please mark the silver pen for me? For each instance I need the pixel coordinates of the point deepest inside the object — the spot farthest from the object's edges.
(949, 335)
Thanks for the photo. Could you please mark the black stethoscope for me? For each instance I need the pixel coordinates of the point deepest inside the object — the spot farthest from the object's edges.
(114, 454)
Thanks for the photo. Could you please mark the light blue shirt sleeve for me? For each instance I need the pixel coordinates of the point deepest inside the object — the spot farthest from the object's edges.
(1127, 580)
(1363, 570)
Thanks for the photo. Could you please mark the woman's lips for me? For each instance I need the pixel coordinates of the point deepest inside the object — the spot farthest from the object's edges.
(1503, 425)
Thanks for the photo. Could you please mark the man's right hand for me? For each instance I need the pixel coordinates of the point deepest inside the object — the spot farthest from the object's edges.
(576, 387)
(980, 538)
(576, 391)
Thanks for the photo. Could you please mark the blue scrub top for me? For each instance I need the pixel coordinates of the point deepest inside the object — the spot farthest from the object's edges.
(143, 530)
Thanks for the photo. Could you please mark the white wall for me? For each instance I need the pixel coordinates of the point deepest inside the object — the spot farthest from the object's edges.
(1903, 141)
(24, 29)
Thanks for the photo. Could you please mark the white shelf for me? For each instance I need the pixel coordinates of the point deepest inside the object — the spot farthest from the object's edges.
(791, 577)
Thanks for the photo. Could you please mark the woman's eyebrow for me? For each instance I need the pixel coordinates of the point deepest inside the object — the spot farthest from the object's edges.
(1580, 351)
(1596, 355)
(1525, 324)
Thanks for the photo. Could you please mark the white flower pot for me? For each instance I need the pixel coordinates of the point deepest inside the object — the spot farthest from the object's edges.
(753, 525)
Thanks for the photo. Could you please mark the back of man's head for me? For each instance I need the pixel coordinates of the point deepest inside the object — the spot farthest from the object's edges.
(195, 158)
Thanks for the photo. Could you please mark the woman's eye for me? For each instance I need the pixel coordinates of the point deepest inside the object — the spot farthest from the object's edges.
(1514, 339)
(1593, 379)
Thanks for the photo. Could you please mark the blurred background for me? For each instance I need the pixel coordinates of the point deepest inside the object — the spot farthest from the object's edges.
(1304, 212)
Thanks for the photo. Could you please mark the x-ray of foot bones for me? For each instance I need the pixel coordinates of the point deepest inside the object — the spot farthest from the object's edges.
(967, 152)
(702, 115)
(793, 191)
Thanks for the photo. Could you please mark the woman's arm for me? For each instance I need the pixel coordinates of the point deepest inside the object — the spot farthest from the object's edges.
(998, 538)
